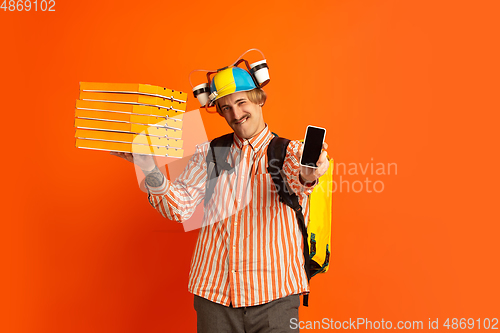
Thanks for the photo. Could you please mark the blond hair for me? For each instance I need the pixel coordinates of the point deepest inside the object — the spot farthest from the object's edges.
(256, 96)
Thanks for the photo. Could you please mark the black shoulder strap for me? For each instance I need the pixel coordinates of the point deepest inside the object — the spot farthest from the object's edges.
(276, 153)
(216, 161)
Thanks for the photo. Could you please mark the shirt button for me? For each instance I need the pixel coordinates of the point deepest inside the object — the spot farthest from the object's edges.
(234, 271)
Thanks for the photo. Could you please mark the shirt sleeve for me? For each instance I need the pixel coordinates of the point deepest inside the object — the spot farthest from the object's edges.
(291, 168)
(177, 200)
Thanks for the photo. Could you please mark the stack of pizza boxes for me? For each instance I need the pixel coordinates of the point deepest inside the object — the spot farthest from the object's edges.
(131, 118)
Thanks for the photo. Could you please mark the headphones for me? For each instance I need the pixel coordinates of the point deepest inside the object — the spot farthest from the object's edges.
(259, 72)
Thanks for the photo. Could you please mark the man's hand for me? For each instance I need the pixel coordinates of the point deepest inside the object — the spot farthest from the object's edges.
(154, 177)
(145, 162)
(309, 175)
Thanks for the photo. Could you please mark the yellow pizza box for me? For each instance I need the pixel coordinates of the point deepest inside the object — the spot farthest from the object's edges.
(128, 138)
(129, 108)
(134, 88)
(129, 118)
(133, 99)
(129, 148)
(127, 127)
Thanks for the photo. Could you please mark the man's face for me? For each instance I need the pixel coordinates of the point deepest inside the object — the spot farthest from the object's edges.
(243, 116)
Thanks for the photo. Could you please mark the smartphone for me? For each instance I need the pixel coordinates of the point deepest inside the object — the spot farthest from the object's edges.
(313, 145)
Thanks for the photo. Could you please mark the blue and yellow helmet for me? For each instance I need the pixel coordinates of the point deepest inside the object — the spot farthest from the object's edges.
(228, 81)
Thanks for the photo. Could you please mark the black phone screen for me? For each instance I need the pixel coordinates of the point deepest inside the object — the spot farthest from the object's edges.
(313, 145)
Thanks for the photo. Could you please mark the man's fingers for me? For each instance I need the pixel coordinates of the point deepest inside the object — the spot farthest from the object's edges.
(322, 158)
(125, 156)
(118, 154)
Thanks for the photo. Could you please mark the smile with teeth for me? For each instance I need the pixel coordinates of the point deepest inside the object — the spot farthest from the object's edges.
(241, 121)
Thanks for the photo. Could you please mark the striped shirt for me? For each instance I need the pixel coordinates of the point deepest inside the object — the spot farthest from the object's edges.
(249, 249)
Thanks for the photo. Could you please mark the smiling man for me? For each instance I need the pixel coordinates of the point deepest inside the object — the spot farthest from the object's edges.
(243, 112)
(239, 101)
(247, 270)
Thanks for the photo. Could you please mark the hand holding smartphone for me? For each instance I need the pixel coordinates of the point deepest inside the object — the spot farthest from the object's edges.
(313, 145)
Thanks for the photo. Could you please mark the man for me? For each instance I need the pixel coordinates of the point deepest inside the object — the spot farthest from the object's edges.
(247, 268)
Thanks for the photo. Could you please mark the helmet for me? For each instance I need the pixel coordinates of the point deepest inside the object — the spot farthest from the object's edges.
(228, 81)
(231, 79)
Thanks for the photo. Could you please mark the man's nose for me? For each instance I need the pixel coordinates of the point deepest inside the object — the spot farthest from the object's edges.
(237, 112)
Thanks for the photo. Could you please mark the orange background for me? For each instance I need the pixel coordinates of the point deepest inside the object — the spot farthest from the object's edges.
(407, 82)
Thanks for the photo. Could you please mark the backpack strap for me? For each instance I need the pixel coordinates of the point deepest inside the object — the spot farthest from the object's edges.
(276, 153)
(216, 161)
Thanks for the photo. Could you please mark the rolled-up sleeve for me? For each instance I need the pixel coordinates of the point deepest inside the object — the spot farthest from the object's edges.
(177, 200)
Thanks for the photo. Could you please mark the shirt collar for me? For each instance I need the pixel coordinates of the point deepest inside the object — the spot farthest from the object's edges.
(256, 142)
